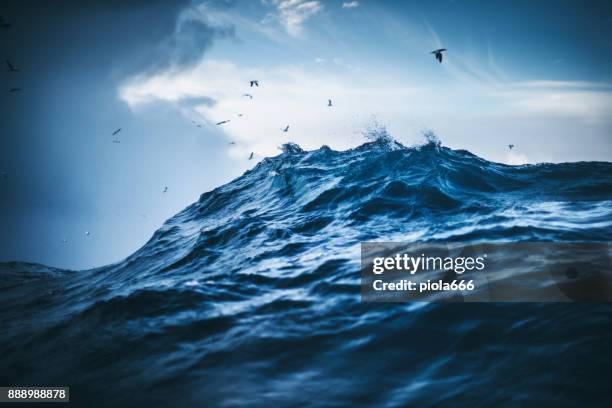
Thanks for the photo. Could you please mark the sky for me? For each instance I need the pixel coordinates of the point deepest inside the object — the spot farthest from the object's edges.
(535, 74)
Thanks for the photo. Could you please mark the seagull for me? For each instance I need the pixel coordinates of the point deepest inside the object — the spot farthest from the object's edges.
(251, 156)
(87, 233)
(14, 89)
(11, 67)
(247, 95)
(438, 54)
(165, 189)
(222, 122)
(240, 115)
(231, 143)
(116, 140)
(510, 146)
(286, 129)
(255, 83)
(329, 103)
(116, 131)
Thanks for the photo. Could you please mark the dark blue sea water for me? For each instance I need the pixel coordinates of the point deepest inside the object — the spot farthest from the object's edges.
(251, 296)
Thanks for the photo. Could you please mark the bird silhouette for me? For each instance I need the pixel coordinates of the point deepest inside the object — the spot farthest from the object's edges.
(254, 83)
(222, 122)
(286, 129)
(231, 143)
(510, 146)
(14, 89)
(329, 103)
(251, 156)
(247, 95)
(11, 67)
(116, 131)
(438, 54)
(165, 189)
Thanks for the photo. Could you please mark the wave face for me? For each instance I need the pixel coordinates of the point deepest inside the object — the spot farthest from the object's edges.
(251, 295)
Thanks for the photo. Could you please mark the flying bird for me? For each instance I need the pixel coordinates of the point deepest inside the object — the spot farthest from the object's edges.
(165, 189)
(510, 146)
(254, 83)
(247, 95)
(251, 156)
(240, 115)
(87, 233)
(231, 143)
(116, 131)
(64, 241)
(286, 129)
(11, 67)
(222, 122)
(14, 89)
(329, 103)
(438, 54)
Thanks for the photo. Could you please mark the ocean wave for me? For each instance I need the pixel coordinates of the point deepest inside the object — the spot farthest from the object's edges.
(250, 296)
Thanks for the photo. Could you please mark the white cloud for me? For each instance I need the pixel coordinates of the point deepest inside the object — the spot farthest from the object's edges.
(516, 159)
(288, 95)
(350, 4)
(474, 99)
(297, 96)
(293, 13)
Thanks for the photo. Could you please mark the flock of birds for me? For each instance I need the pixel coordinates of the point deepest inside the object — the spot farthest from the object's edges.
(255, 83)
(438, 54)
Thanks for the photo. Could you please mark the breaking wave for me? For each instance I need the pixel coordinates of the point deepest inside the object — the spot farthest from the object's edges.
(251, 295)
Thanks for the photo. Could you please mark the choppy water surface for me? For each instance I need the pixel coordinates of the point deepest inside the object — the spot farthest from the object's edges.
(250, 296)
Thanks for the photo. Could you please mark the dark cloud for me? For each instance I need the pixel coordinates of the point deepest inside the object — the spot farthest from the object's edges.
(73, 56)
(187, 44)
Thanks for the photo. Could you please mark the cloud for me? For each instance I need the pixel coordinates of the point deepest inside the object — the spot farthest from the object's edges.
(293, 13)
(193, 101)
(515, 159)
(350, 4)
(190, 39)
(288, 95)
(474, 97)
(589, 102)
